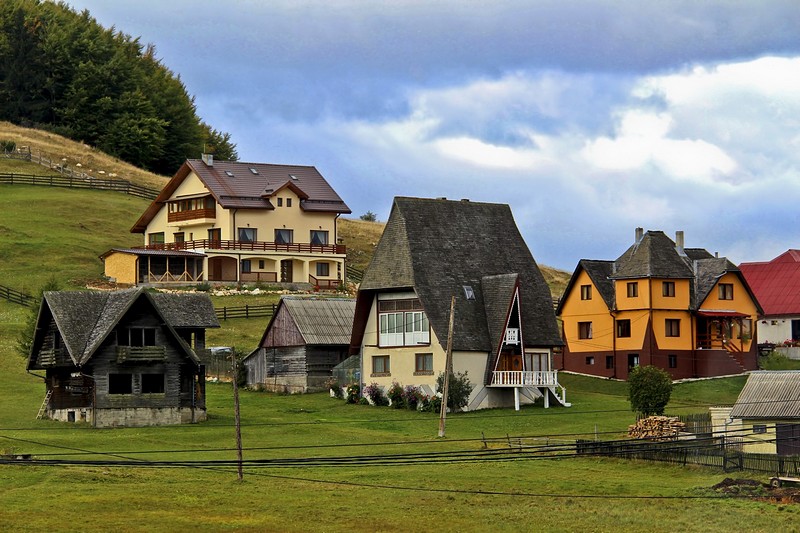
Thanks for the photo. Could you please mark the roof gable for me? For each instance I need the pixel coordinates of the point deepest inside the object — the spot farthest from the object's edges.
(599, 273)
(239, 185)
(773, 394)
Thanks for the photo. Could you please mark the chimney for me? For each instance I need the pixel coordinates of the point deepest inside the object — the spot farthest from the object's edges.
(679, 241)
(638, 235)
(208, 159)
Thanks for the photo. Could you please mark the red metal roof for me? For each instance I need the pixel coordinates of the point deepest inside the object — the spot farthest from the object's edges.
(776, 283)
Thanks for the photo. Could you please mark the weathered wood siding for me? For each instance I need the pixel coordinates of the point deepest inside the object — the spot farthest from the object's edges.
(294, 366)
(282, 331)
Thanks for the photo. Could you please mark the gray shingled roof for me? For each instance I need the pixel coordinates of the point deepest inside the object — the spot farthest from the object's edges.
(707, 273)
(600, 273)
(497, 298)
(86, 318)
(322, 320)
(769, 394)
(436, 247)
(654, 256)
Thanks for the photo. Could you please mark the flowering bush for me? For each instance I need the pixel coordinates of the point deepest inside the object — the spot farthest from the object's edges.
(352, 393)
(458, 390)
(374, 392)
(396, 395)
(412, 396)
(333, 384)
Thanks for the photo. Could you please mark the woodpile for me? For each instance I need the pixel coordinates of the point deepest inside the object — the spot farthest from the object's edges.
(656, 428)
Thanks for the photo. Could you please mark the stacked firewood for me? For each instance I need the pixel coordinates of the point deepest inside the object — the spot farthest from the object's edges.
(656, 427)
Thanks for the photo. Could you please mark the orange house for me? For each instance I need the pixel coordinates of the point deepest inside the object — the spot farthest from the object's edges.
(680, 309)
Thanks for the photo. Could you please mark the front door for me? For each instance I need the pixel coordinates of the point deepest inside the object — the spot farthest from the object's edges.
(286, 271)
(215, 235)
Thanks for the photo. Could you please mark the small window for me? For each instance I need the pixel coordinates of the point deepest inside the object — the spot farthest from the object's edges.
(424, 364)
(178, 237)
(586, 292)
(668, 289)
(584, 330)
(673, 360)
(152, 383)
(319, 237)
(759, 429)
(261, 264)
(155, 238)
(323, 269)
(380, 364)
(293, 177)
(672, 327)
(284, 236)
(246, 266)
(633, 360)
(469, 294)
(280, 202)
(590, 360)
(633, 289)
(726, 291)
(247, 234)
(609, 361)
(288, 202)
(229, 173)
(623, 328)
(120, 383)
(254, 170)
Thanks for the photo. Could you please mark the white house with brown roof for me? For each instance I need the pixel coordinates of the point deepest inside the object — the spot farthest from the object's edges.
(229, 221)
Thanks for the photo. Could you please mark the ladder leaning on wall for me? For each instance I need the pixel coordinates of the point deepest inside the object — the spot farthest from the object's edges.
(43, 408)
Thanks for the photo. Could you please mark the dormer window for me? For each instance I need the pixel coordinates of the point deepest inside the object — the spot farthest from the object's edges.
(469, 294)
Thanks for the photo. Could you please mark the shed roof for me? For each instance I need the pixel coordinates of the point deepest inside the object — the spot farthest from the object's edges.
(321, 321)
(776, 283)
(239, 185)
(436, 247)
(769, 394)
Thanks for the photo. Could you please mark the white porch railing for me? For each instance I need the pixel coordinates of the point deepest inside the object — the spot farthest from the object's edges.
(512, 378)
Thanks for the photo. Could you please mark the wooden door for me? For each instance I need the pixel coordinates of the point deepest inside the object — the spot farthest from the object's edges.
(286, 271)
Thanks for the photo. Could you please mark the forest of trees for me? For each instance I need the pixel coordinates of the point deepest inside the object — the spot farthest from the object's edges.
(62, 71)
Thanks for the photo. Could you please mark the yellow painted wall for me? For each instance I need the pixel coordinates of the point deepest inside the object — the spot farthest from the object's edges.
(741, 303)
(679, 301)
(595, 310)
(686, 339)
(639, 319)
(624, 303)
(121, 267)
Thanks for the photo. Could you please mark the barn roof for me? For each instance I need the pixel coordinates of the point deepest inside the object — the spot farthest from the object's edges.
(776, 283)
(86, 318)
(437, 248)
(769, 394)
(322, 320)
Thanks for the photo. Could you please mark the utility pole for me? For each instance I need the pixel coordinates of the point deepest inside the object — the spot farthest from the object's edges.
(236, 412)
(448, 368)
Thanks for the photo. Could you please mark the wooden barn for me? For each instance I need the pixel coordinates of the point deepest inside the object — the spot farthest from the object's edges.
(122, 358)
(305, 339)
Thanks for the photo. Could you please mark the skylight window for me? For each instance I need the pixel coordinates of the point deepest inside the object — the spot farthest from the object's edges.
(468, 292)
(293, 177)
(254, 170)
(229, 173)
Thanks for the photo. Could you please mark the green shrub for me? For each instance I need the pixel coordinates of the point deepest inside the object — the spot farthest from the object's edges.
(353, 393)
(458, 390)
(412, 397)
(649, 389)
(8, 146)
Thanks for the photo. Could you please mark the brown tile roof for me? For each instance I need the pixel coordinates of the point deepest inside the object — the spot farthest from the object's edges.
(238, 185)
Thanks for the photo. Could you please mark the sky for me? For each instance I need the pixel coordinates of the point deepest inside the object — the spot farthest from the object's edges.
(590, 118)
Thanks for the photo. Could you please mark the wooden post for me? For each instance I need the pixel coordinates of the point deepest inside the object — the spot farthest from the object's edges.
(448, 368)
(236, 413)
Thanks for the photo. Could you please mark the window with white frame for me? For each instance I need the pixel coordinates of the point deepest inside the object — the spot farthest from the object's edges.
(402, 323)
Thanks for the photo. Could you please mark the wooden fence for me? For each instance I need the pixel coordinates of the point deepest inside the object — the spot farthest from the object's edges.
(246, 311)
(16, 297)
(74, 182)
(702, 451)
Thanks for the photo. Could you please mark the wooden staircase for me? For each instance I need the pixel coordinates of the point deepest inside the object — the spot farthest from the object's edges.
(43, 408)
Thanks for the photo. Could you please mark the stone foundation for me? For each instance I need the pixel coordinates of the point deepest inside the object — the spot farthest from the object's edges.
(131, 417)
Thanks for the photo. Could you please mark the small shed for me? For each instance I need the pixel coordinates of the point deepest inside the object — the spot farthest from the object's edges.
(766, 416)
(304, 340)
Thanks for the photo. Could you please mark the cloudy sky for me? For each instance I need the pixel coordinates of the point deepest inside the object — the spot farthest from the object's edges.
(588, 117)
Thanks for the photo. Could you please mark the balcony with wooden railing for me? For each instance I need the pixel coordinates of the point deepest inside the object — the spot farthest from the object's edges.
(192, 215)
(255, 246)
(544, 379)
(716, 342)
(127, 354)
